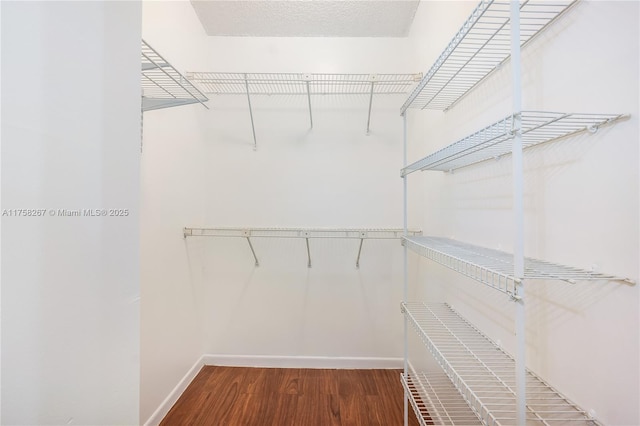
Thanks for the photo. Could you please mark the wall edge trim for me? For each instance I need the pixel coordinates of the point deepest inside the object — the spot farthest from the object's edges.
(174, 395)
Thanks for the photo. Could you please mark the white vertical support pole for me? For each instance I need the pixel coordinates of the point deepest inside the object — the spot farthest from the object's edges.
(405, 291)
(518, 214)
(253, 128)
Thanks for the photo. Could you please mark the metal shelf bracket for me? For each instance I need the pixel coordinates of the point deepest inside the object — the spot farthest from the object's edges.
(359, 252)
(307, 78)
(373, 82)
(253, 252)
(308, 254)
(363, 235)
(253, 127)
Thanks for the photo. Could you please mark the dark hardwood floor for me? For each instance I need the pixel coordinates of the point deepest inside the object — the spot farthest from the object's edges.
(305, 397)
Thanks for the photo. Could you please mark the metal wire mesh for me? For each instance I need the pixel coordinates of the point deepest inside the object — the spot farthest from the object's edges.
(162, 85)
(435, 400)
(216, 83)
(479, 47)
(483, 373)
(497, 139)
(495, 268)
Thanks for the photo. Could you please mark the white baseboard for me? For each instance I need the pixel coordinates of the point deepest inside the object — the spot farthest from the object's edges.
(173, 396)
(268, 361)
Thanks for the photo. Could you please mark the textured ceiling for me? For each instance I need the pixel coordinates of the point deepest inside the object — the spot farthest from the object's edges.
(306, 18)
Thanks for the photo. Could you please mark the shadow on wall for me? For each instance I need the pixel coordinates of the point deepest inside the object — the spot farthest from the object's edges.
(285, 307)
(550, 304)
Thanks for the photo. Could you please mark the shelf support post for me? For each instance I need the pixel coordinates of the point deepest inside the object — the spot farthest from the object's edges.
(253, 128)
(308, 254)
(405, 290)
(309, 102)
(370, 103)
(518, 212)
(253, 251)
(359, 252)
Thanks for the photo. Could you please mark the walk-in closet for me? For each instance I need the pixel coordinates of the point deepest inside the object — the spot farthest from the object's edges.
(419, 212)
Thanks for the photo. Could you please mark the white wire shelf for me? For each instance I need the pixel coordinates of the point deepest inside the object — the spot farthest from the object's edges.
(495, 268)
(481, 45)
(435, 400)
(496, 140)
(306, 233)
(218, 83)
(251, 84)
(163, 86)
(484, 374)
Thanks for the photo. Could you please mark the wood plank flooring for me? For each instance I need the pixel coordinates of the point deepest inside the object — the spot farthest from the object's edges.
(292, 396)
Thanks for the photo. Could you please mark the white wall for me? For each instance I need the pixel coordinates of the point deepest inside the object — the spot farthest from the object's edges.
(331, 176)
(70, 140)
(581, 202)
(172, 188)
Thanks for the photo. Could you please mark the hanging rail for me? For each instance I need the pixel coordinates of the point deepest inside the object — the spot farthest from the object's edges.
(306, 233)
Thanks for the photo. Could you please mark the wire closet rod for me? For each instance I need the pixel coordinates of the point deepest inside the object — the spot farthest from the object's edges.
(306, 233)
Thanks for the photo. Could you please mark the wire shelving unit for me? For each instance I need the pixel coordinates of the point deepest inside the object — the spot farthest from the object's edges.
(308, 85)
(483, 373)
(163, 86)
(497, 387)
(303, 233)
(495, 268)
(480, 46)
(496, 140)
